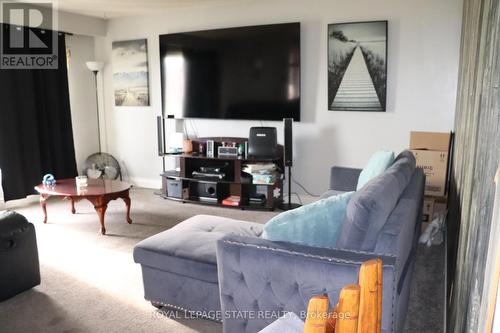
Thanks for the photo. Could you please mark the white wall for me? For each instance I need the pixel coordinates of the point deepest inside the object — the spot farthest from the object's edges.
(423, 56)
(68, 22)
(82, 95)
(81, 24)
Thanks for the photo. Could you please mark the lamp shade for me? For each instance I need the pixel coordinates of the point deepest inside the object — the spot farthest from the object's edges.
(94, 66)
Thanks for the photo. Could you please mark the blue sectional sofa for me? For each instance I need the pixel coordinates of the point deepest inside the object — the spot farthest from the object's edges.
(221, 269)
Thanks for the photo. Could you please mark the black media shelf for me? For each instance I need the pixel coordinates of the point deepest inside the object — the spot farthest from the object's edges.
(183, 187)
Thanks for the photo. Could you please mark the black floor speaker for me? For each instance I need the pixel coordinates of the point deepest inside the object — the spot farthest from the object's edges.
(288, 149)
(288, 159)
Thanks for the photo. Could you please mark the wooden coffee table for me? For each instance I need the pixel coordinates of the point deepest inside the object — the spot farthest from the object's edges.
(99, 192)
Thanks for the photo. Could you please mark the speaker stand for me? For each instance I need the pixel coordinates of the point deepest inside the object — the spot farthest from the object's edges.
(289, 205)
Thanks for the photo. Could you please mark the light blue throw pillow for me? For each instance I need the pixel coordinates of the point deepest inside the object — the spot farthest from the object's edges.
(317, 224)
(378, 163)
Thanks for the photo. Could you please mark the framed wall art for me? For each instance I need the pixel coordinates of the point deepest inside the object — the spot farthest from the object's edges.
(357, 66)
(130, 73)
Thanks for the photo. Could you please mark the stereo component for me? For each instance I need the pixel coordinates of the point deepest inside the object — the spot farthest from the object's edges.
(203, 191)
(160, 128)
(227, 152)
(288, 149)
(210, 148)
(209, 175)
(288, 161)
(263, 142)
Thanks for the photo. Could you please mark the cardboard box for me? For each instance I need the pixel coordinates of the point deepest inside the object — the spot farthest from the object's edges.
(432, 207)
(431, 151)
(435, 166)
(440, 208)
(428, 209)
(424, 226)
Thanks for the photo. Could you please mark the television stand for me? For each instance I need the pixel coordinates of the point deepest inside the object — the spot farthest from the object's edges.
(186, 186)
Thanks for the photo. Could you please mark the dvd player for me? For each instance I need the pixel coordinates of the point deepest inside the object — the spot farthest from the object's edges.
(208, 175)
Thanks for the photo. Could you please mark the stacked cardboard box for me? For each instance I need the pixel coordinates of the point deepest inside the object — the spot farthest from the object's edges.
(432, 152)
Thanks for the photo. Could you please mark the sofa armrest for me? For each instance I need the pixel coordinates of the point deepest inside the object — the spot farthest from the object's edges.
(259, 280)
(344, 179)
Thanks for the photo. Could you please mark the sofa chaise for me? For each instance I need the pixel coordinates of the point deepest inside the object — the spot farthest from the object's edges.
(222, 269)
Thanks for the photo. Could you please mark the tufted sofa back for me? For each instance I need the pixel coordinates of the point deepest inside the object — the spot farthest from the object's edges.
(260, 280)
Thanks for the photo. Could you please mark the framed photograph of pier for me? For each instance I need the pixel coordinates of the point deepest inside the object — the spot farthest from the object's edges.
(357, 66)
(130, 73)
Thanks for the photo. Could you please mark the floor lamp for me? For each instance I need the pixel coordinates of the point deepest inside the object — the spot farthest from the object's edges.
(100, 165)
(95, 67)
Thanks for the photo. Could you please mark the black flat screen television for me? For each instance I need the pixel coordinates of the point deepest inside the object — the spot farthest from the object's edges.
(237, 73)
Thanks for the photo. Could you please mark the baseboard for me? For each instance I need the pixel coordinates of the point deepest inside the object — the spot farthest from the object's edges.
(19, 202)
(145, 182)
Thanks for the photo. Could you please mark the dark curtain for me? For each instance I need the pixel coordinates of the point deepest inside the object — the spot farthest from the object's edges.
(36, 135)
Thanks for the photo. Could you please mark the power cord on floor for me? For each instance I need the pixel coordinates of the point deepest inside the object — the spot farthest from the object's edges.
(296, 194)
(304, 189)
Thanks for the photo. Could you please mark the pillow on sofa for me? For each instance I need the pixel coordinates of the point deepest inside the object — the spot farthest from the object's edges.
(377, 164)
(317, 224)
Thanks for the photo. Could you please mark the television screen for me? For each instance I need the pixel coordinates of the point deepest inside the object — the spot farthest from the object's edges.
(236, 73)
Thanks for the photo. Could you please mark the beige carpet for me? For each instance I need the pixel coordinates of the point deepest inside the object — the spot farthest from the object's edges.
(90, 282)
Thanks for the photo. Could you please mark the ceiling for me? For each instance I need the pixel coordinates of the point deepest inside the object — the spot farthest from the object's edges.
(119, 8)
